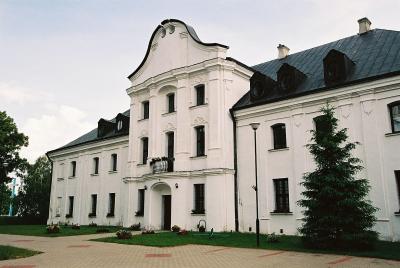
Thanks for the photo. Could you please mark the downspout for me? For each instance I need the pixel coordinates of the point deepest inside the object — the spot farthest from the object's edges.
(51, 184)
(235, 168)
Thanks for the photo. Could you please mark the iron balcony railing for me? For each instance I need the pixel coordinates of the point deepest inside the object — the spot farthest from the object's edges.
(162, 164)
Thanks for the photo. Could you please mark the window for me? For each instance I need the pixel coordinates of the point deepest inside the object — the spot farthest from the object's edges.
(145, 150)
(71, 207)
(171, 102)
(281, 195)
(119, 125)
(394, 109)
(96, 165)
(397, 175)
(114, 160)
(279, 133)
(111, 205)
(140, 209)
(94, 205)
(146, 109)
(73, 168)
(170, 144)
(58, 209)
(321, 126)
(198, 199)
(200, 96)
(200, 141)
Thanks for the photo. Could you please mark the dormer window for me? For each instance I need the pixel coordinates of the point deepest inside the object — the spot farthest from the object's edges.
(119, 125)
(261, 86)
(289, 77)
(337, 67)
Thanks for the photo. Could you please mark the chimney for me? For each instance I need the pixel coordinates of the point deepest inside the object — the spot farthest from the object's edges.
(283, 51)
(364, 25)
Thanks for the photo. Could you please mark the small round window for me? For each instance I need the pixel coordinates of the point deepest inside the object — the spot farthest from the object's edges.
(119, 125)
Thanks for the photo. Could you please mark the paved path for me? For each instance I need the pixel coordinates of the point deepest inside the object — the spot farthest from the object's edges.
(76, 251)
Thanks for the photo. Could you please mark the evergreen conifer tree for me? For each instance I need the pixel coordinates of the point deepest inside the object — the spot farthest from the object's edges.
(336, 215)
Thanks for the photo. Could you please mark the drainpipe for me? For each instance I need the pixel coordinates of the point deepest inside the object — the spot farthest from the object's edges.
(235, 168)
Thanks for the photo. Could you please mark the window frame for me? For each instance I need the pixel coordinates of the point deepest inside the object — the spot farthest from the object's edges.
(397, 178)
(145, 150)
(275, 136)
(200, 91)
(200, 137)
(93, 205)
(145, 109)
(390, 107)
(171, 102)
(199, 198)
(111, 205)
(96, 165)
(281, 207)
(141, 203)
(114, 162)
(73, 169)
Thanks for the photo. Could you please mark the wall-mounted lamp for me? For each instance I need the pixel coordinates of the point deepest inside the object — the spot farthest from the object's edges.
(145, 187)
(176, 185)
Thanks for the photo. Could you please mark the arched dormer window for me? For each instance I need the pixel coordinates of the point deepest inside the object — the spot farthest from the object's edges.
(279, 136)
(394, 111)
(337, 67)
(261, 86)
(119, 125)
(289, 77)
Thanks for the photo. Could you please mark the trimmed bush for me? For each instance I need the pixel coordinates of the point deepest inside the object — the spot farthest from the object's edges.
(124, 234)
(175, 228)
(135, 227)
(145, 232)
(92, 224)
(76, 226)
(202, 229)
(272, 238)
(182, 232)
(53, 229)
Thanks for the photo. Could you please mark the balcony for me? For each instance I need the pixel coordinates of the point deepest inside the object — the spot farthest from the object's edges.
(162, 165)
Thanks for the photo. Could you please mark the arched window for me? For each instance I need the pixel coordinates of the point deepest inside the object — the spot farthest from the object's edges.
(171, 102)
(279, 135)
(394, 110)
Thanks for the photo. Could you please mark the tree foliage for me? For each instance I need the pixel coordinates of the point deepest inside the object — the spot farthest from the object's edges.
(33, 197)
(336, 212)
(11, 142)
(5, 199)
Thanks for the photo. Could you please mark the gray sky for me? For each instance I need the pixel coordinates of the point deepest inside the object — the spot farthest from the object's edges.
(63, 64)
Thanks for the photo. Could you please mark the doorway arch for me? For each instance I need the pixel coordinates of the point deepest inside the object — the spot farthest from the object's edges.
(161, 206)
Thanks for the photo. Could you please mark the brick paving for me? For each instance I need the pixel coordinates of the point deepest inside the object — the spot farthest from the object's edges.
(77, 251)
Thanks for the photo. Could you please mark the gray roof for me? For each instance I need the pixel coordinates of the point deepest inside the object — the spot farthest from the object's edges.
(91, 136)
(375, 54)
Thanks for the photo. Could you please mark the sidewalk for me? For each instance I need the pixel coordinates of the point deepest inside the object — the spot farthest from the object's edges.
(77, 251)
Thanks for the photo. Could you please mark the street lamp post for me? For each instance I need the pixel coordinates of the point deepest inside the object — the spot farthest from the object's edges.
(255, 126)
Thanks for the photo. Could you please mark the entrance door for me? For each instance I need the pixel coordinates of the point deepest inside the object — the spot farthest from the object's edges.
(166, 200)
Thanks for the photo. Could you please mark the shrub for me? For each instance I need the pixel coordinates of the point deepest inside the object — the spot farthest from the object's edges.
(102, 230)
(182, 232)
(76, 226)
(92, 224)
(135, 227)
(202, 229)
(272, 238)
(124, 234)
(144, 232)
(175, 228)
(53, 229)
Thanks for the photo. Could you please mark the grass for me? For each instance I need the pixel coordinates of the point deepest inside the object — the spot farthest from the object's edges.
(40, 230)
(384, 250)
(8, 252)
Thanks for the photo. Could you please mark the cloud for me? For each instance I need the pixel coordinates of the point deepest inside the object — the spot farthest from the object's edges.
(60, 125)
(14, 93)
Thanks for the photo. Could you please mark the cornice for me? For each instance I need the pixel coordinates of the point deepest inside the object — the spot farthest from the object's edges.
(362, 90)
(180, 174)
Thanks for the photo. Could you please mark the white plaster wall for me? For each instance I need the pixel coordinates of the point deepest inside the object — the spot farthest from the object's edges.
(84, 184)
(362, 109)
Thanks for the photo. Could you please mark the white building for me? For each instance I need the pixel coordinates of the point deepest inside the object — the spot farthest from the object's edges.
(184, 152)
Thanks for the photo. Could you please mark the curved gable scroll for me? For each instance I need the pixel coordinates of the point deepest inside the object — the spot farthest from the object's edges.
(165, 51)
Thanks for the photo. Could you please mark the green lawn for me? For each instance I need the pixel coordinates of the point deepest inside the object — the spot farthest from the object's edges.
(384, 250)
(40, 230)
(8, 252)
